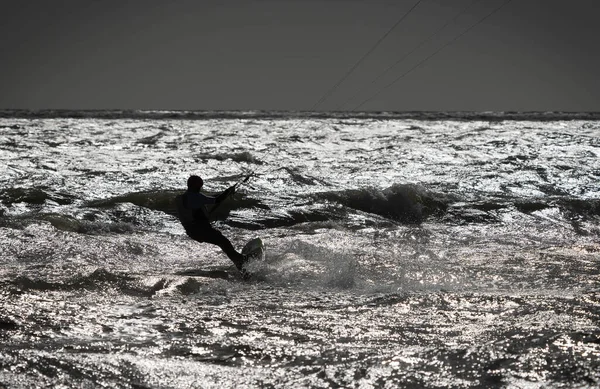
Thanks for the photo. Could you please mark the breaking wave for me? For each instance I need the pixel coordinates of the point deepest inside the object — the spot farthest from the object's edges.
(405, 203)
(244, 156)
(69, 223)
(34, 196)
(161, 200)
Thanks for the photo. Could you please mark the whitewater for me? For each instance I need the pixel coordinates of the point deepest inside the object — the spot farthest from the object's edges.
(415, 250)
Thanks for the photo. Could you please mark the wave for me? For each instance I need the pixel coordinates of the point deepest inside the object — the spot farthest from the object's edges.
(159, 200)
(289, 218)
(126, 213)
(33, 196)
(586, 208)
(406, 203)
(383, 115)
(99, 279)
(351, 208)
(570, 207)
(151, 140)
(303, 179)
(487, 211)
(572, 210)
(236, 157)
(132, 285)
(8, 324)
(409, 203)
(68, 223)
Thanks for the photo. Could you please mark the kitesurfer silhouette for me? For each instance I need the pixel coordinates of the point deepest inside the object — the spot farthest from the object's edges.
(194, 216)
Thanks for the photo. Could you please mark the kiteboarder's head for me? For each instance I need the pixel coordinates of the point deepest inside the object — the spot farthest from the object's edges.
(194, 183)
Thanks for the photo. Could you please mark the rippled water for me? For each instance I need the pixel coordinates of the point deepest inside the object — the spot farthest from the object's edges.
(401, 252)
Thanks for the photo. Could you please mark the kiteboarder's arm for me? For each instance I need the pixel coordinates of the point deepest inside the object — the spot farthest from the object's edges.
(226, 193)
(213, 200)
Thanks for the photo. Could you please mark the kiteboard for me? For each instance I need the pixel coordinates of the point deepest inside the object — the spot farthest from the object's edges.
(254, 250)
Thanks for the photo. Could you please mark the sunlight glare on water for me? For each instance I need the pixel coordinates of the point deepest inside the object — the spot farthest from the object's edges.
(400, 252)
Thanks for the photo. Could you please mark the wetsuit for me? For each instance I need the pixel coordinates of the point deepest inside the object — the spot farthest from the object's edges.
(192, 212)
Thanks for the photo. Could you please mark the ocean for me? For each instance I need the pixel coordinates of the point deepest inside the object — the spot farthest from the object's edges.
(403, 250)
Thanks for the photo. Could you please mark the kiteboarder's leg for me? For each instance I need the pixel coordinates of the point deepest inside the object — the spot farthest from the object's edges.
(211, 235)
(216, 237)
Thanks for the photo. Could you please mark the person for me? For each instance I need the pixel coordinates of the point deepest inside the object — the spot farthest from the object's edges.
(192, 212)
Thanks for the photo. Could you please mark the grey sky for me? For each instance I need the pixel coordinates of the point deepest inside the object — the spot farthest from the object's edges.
(284, 54)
